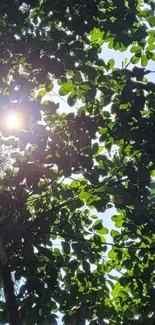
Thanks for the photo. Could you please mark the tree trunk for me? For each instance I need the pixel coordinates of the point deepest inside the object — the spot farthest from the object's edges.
(8, 288)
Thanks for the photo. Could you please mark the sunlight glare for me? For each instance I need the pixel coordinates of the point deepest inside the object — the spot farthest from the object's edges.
(13, 121)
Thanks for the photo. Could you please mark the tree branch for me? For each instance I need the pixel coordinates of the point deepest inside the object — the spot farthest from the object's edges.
(36, 225)
(92, 241)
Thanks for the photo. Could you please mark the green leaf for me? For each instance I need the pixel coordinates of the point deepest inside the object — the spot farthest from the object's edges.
(112, 253)
(110, 64)
(65, 89)
(96, 34)
(117, 218)
(73, 265)
(103, 231)
(86, 266)
(77, 77)
(100, 149)
(151, 47)
(65, 247)
(97, 225)
(33, 94)
(49, 85)
(76, 204)
(135, 49)
(40, 311)
(151, 39)
(152, 21)
(144, 60)
(100, 204)
(114, 233)
(125, 61)
(71, 100)
(135, 59)
(124, 281)
(16, 155)
(42, 92)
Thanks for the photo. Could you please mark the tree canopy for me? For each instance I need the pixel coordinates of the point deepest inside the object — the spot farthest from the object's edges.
(54, 255)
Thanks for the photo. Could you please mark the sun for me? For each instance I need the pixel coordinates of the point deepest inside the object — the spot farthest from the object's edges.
(13, 121)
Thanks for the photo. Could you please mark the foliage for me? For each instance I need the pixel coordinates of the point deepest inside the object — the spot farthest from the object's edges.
(66, 167)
